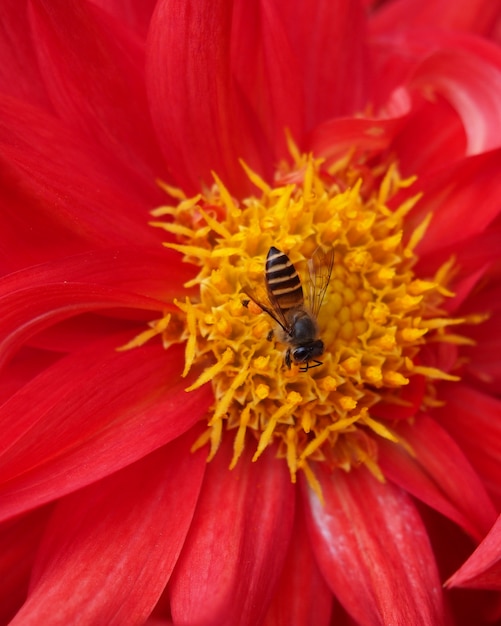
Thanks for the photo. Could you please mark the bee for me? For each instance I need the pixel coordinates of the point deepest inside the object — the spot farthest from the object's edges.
(284, 301)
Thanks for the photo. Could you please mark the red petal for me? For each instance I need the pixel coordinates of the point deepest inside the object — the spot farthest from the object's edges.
(487, 295)
(373, 550)
(19, 72)
(336, 137)
(411, 397)
(41, 296)
(484, 364)
(452, 547)
(26, 364)
(440, 475)
(328, 37)
(438, 131)
(98, 85)
(266, 69)
(109, 549)
(465, 285)
(302, 597)
(153, 272)
(406, 471)
(450, 196)
(475, 15)
(60, 195)
(474, 286)
(469, 77)
(483, 569)
(199, 116)
(19, 540)
(457, 76)
(136, 14)
(474, 420)
(236, 548)
(89, 415)
(29, 311)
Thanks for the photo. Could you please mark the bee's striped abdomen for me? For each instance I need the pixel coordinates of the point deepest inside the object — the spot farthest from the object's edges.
(282, 280)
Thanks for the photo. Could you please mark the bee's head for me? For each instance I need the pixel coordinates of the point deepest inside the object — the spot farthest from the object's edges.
(308, 352)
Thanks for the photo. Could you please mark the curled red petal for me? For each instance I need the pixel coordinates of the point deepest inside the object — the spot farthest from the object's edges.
(454, 81)
(237, 544)
(110, 548)
(449, 195)
(89, 415)
(373, 550)
(483, 569)
(440, 124)
(469, 77)
(473, 419)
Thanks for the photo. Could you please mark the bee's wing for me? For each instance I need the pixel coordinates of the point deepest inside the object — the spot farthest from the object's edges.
(320, 270)
(264, 300)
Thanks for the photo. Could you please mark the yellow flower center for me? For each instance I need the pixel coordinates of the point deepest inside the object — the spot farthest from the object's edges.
(375, 318)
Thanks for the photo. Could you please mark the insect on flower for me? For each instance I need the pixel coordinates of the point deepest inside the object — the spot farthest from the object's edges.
(284, 301)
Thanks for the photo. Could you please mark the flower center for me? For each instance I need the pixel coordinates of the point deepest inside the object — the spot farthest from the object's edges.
(374, 319)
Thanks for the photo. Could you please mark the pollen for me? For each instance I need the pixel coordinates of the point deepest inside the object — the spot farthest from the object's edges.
(376, 319)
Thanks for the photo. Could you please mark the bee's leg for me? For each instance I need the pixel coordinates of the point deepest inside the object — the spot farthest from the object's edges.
(309, 367)
(287, 358)
(269, 336)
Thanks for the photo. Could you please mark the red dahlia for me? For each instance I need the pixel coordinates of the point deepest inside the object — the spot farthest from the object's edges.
(159, 462)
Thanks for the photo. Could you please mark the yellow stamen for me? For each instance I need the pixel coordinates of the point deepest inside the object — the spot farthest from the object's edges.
(157, 328)
(418, 233)
(257, 180)
(175, 192)
(379, 428)
(434, 373)
(312, 481)
(292, 400)
(211, 372)
(191, 343)
(239, 443)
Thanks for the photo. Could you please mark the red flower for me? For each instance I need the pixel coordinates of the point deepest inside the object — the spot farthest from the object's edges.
(108, 516)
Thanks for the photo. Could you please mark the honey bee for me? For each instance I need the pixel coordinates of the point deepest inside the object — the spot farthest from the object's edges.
(284, 301)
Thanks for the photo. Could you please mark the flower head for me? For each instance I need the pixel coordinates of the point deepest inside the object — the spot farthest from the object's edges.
(161, 459)
(377, 313)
